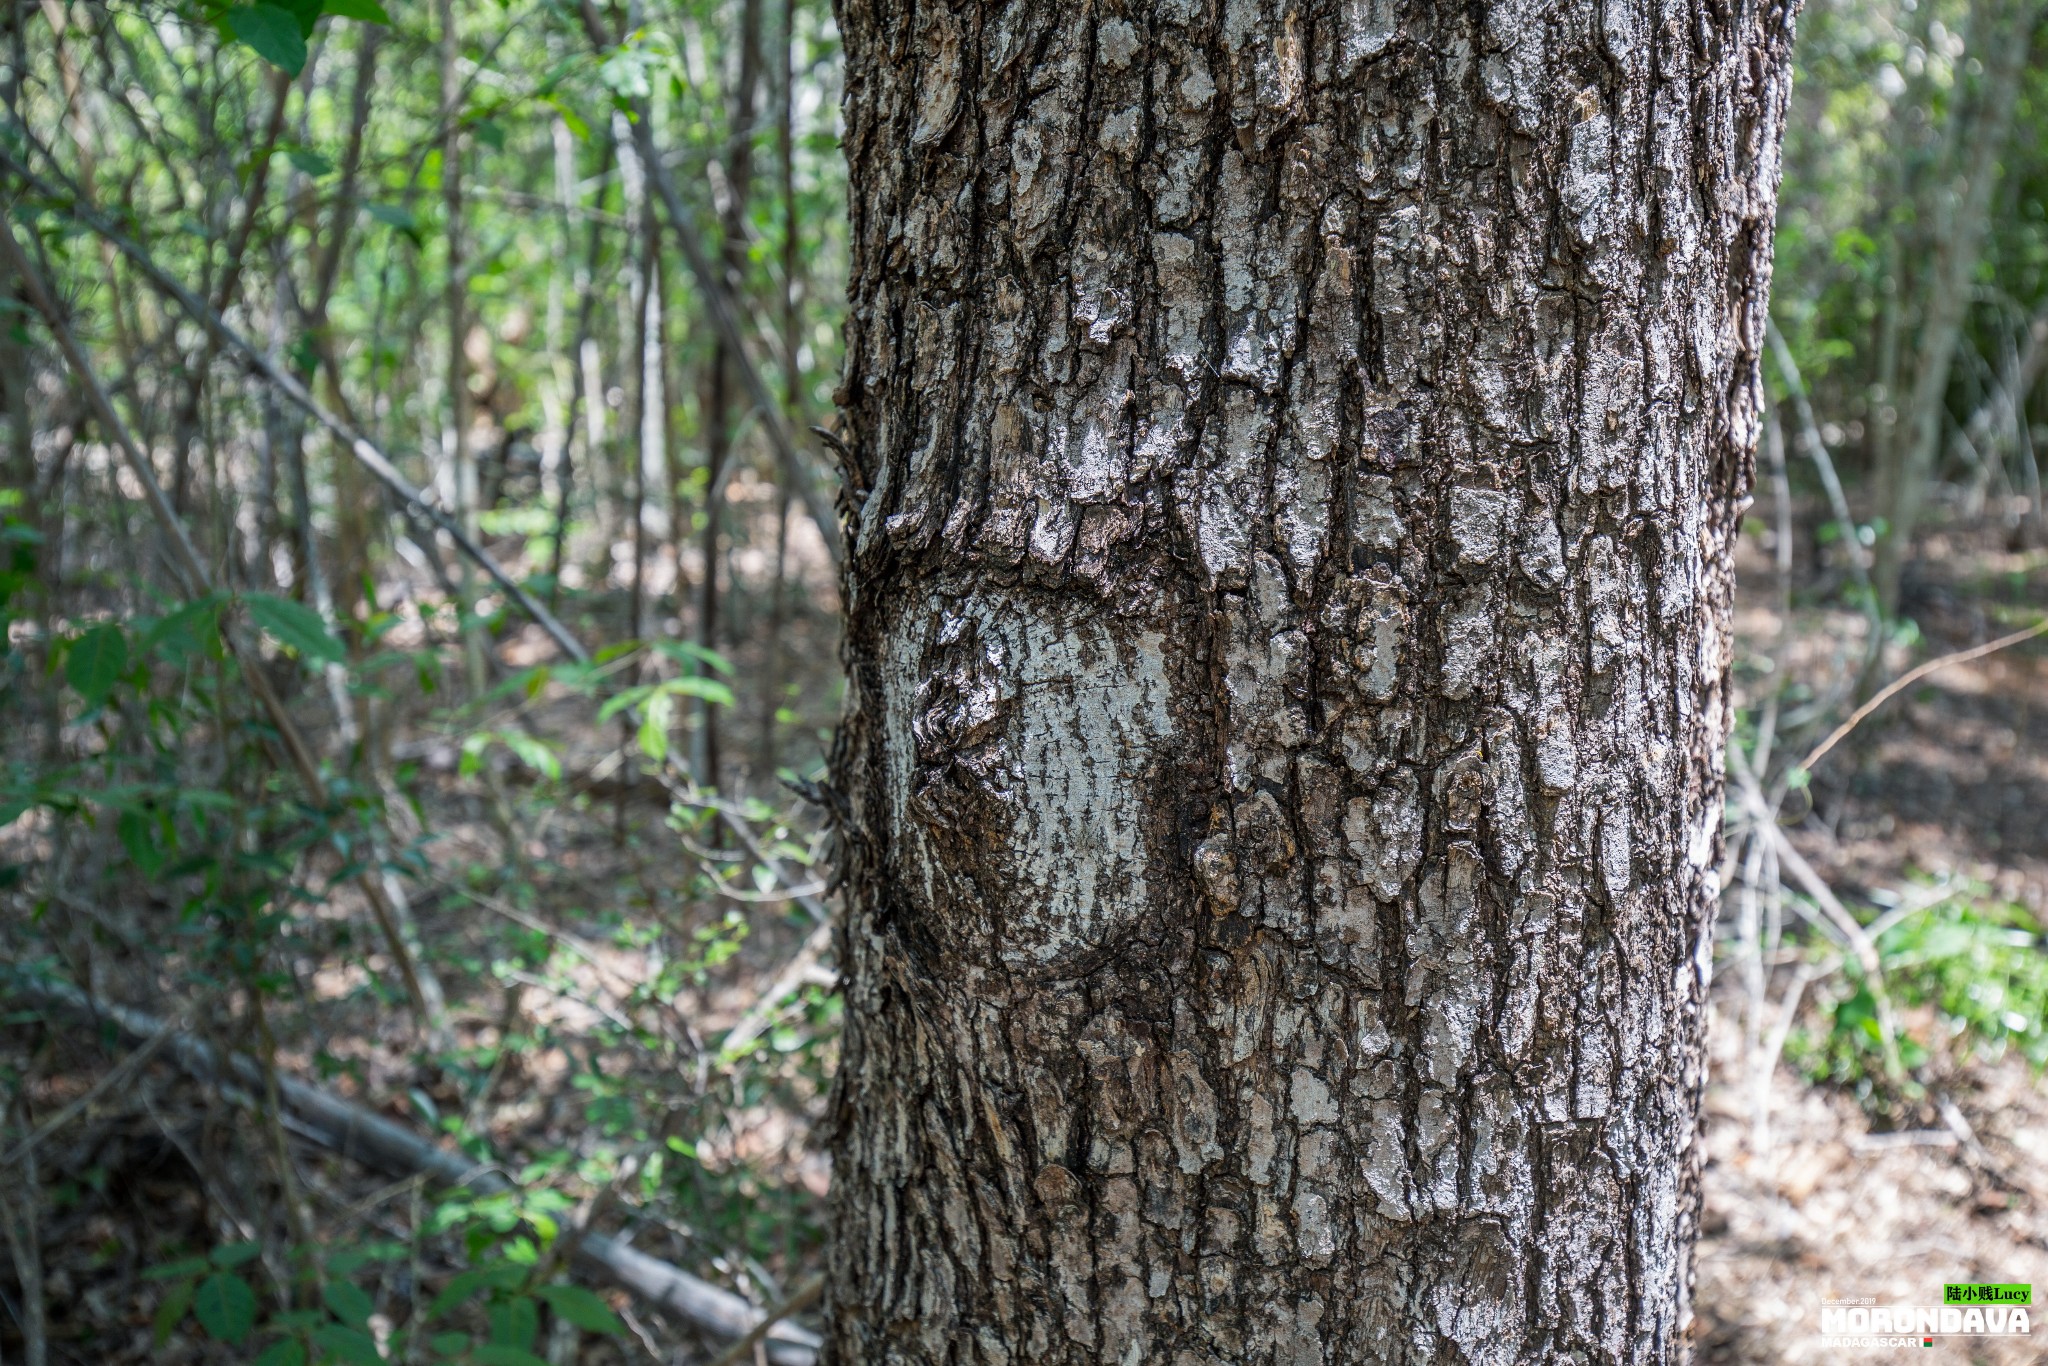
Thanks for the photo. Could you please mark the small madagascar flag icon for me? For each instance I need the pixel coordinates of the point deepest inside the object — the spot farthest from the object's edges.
(1927, 1342)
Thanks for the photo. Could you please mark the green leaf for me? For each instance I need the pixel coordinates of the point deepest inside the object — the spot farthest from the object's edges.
(618, 702)
(533, 752)
(138, 835)
(459, 1288)
(285, 1353)
(312, 163)
(393, 216)
(146, 840)
(96, 662)
(273, 33)
(297, 625)
(235, 1254)
(449, 1344)
(578, 129)
(490, 133)
(190, 631)
(514, 1322)
(689, 651)
(349, 1344)
(582, 1308)
(654, 724)
(364, 11)
(502, 1354)
(171, 1271)
(349, 1303)
(226, 1307)
(307, 12)
(710, 689)
(172, 1311)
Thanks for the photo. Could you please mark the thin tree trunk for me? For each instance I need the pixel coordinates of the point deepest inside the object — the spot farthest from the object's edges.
(187, 426)
(632, 315)
(2002, 414)
(355, 498)
(575, 386)
(1298, 460)
(461, 458)
(718, 417)
(704, 759)
(2002, 32)
(793, 389)
(23, 1234)
(644, 301)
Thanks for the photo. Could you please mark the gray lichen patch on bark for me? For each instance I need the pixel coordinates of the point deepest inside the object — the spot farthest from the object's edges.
(1026, 743)
(1294, 455)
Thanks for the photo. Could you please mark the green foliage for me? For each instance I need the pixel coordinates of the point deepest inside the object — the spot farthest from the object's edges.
(297, 625)
(348, 1303)
(530, 750)
(690, 653)
(278, 32)
(582, 1308)
(186, 634)
(96, 661)
(366, 11)
(656, 703)
(225, 1307)
(271, 32)
(283, 1352)
(1984, 967)
(1979, 966)
(499, 1295)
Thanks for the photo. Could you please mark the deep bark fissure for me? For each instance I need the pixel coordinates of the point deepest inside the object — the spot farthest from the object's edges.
(1287, 603)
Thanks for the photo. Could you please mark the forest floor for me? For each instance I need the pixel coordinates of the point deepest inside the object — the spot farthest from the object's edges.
(1810, 1194)
(551, 1046)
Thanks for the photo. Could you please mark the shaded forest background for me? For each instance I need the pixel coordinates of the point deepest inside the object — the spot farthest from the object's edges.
(421, 590)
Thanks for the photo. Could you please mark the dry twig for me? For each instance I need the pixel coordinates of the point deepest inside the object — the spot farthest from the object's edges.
(1912, 676)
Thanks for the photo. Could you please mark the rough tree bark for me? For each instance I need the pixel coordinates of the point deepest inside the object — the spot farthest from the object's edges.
(1294, 458)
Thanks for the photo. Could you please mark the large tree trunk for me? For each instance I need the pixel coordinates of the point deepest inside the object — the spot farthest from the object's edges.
(1296, 458)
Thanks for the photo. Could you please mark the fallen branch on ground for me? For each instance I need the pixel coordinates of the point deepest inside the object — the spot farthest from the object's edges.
(803, 1297)
(374, 1141)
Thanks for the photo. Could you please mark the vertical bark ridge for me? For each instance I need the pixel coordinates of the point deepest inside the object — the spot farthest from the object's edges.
(1294, 456)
